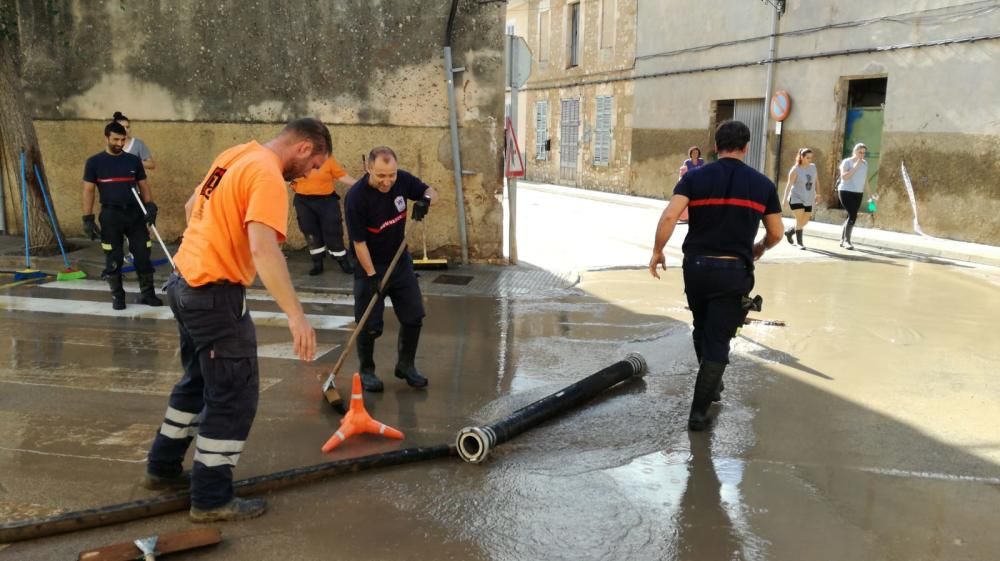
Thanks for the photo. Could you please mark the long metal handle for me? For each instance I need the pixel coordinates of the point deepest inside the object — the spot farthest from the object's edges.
(153, 226)
(368, 310)
(52, 216)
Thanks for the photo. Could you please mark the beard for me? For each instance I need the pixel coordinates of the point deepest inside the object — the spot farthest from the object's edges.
(116, 149)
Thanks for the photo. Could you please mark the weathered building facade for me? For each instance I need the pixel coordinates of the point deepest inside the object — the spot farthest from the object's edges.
(577, 108)
(914, 80)
(197, 77)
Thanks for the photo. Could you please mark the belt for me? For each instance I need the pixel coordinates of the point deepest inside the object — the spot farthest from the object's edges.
(715, 262)
(119, 207)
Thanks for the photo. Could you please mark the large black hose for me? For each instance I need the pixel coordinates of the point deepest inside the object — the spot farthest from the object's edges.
(474, 443)
(126, 512)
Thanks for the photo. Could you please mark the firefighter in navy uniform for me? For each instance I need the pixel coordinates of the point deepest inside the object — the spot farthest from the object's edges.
(375, 209)
(114, 173)
(317, 210)
(728, 200)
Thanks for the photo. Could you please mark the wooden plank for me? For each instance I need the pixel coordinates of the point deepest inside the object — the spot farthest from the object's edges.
(167, 543)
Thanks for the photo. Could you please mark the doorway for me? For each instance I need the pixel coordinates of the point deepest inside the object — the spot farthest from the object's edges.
(865, 115)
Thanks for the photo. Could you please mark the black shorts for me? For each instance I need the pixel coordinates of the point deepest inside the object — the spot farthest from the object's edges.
(797, 206)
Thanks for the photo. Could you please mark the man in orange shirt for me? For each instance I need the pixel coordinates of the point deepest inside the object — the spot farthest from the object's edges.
(236, 218)
(317, 210)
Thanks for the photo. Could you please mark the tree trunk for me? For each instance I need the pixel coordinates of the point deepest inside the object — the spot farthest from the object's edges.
(17, 134)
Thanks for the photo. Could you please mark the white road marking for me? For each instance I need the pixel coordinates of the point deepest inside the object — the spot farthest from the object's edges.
(287, 350)
(252, 294)
(139, 311)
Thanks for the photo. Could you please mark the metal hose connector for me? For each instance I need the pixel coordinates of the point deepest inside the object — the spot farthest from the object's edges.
(474, 443)
(638, 362)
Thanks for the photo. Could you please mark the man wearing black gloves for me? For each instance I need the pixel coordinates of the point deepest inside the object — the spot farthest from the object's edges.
(375, 209)
(114, 173)
(728, 200)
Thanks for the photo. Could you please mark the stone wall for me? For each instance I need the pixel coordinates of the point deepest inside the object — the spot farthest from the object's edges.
(197, 77)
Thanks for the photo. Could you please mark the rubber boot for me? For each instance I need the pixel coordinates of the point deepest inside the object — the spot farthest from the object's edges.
(147, 290)
(366, 359)
(409, 336)
(345, 264)
(236, 509)
(317, 265)
(117, 291)
(798, 237)
(718, 393)
(705, 388)
(788, 235)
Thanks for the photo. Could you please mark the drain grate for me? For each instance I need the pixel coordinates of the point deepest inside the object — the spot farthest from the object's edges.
(457, 280)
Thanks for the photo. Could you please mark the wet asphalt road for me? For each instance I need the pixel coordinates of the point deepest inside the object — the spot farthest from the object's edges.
(865, 429)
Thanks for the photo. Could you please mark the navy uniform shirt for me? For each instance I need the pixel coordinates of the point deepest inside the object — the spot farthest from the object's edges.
(379, 219)
(727, 201)
(115, 176)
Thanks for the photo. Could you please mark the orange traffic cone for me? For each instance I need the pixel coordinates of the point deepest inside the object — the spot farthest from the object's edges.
(358, 421)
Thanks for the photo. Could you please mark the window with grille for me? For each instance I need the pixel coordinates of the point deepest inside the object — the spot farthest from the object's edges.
(602, 131)
(541, 130)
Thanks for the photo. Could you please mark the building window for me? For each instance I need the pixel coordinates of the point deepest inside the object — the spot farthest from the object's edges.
(541, 130)
(573, 37)
(543, 36)
(607, 24)
(602, 131)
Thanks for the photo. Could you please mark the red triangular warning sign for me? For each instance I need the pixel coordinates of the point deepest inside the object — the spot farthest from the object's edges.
(514, 163)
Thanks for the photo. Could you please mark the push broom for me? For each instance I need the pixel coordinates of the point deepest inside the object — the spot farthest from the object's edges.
(27, 272)
(69, 273)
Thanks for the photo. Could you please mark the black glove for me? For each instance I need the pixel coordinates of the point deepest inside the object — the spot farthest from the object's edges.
(420, 209)
(151, 213)
(372, 283)
(90, 227)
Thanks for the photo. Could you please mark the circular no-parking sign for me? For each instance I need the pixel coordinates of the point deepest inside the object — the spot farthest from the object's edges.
(781, 105)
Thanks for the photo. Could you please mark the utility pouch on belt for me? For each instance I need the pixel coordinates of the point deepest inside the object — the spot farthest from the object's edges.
(753, 304)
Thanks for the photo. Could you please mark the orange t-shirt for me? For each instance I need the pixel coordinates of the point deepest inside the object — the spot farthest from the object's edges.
(244, 185)
(320, 181)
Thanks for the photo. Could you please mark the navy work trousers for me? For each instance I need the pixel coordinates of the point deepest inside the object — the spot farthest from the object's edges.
(216, 398)
(715, 289)
(402, 289)
(117, 225)
(320, 220)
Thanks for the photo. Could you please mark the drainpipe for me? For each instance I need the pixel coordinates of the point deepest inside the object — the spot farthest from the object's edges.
(456, 160)
(770, 80)
(3, 209)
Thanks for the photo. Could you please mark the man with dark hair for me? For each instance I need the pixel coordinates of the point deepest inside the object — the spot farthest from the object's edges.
(727, 200)
(236, 218)
(114, 174)
(375, 210)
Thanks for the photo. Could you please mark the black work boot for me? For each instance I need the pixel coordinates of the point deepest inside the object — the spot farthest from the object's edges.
(158, 483)
(117, 291)
(409, 336)
(788, 235)
(345, 264)
(317, 265)
(718, 393)
(366, 358)
(148, 290)
(705, 388)
(236, 509)
(798, 237)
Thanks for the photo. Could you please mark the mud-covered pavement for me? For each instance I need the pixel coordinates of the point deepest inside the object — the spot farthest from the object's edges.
(864, 429)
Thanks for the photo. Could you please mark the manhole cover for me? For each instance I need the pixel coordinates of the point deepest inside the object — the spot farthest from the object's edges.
(459, 280)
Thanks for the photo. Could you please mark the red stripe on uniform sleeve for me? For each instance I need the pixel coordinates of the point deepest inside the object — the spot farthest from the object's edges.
(729, 202)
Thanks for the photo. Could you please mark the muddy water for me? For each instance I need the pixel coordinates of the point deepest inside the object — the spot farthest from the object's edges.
(865, 429)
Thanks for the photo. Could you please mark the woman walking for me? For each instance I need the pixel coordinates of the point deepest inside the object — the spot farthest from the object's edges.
(800, 193)
(132, 144)
(853, 178)
(694, 161)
